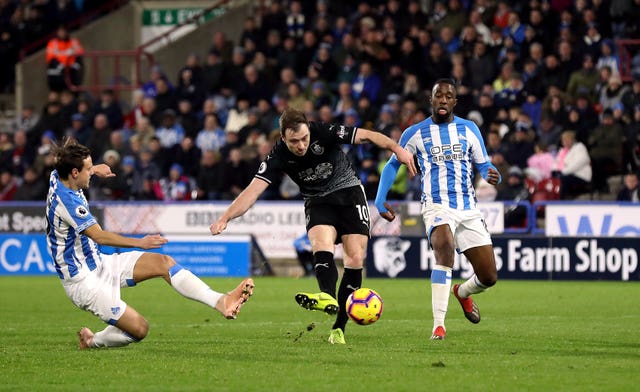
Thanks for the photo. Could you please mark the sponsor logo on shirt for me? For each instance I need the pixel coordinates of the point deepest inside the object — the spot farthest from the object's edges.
(447, 152)
(81, 212)
(320, 172)
(316, 148)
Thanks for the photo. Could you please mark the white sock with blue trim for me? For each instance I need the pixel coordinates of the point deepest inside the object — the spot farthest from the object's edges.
(190, 286)
(471, 286)
(112, 336)
(440, 287)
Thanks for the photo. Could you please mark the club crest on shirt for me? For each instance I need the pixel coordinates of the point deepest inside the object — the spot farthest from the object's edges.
(262, 168)
(115, 310)
(81, 212)
(316, 148)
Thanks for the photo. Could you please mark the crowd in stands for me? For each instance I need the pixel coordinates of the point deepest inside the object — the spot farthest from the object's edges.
(540, 78)
(24, 23)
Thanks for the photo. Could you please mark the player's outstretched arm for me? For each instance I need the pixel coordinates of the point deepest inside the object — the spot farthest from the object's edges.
(387, 178)
(102, 170)
(240, 205)
(102, 237)
(382, 141)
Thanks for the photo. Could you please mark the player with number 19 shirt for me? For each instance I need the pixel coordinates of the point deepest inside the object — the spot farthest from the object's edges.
(336, 208)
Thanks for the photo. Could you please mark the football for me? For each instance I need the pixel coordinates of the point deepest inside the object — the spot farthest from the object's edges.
(364, 306)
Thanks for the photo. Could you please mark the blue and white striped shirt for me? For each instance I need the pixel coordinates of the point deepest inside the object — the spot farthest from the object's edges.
(447, 154)
(74, 254)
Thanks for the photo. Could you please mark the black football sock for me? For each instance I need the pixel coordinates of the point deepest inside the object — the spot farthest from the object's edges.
(351, 281)
(326, 272)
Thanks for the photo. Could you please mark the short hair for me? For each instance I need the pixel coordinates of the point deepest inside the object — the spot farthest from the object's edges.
(292, 119)
(445, 81)
(69, 155)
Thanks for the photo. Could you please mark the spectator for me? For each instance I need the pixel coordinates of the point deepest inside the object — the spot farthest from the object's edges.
(213, 72)
(515, 191)
(237, 175)
(51, 119)
(549, 132)
(6, 150)
(252, 133)
(170, 131)
(33, 187)
(605, 150)
(222, 45)
(238, 116)
(631, 98)
(147, 173)
(209, 181)
(64, 61)
(607, 58)
(28, 118)
(8, 184)
(212, 137)
(187, 118)
(520, 146)
(584, 80)
(189, 88)
(99, 137)
(175, 187)
(631, 190)
(149, 88)
(23, 153)
(573, 166)
(612, 94)
(109, 188)
(187, 155)
(540, 164)
(110, 107)
(166, 97)
(366, 82)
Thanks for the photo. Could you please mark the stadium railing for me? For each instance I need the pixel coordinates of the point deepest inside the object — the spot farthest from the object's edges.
(626, 48)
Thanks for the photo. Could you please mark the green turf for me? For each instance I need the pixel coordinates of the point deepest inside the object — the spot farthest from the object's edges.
(547, 336)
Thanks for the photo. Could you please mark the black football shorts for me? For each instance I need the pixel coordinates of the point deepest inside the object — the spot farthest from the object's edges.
(345, 209)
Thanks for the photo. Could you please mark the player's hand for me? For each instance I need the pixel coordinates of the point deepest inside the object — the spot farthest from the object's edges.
(152, 241)
(218, 227)
(102, 170)
(406, 157)
(389, 214)
(493, 176)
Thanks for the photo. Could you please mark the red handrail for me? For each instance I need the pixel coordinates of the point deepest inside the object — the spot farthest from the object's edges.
(93, 56)
(624, 57)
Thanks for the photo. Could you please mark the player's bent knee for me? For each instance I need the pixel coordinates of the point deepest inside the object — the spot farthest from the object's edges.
(140, 330)
(168, 262)
(489, 280)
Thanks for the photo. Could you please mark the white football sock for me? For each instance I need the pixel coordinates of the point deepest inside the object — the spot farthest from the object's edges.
(471, 286)
(112, 337)
(190, 286)
(440, 287)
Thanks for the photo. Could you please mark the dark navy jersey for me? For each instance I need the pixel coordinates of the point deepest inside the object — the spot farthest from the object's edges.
(324, 169)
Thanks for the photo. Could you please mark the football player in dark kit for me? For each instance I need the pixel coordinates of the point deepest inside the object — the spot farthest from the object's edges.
(335, 205)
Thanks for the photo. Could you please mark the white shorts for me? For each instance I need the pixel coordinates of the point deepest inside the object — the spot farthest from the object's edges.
(99, 291)
(467, 226)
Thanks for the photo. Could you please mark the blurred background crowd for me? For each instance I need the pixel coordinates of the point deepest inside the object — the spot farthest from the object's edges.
(541, 79)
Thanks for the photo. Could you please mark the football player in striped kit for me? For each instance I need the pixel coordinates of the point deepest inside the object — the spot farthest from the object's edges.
(92, 280)
(448, 150)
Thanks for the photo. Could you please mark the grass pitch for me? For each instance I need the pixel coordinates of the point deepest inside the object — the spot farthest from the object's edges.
(546, 336)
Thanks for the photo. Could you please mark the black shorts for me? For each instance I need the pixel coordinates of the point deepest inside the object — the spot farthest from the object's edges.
(346, 210)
